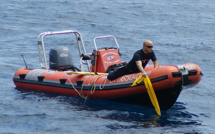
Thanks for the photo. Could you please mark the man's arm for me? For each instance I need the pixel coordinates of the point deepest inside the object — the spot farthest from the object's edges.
(140, 67)
(156, 64)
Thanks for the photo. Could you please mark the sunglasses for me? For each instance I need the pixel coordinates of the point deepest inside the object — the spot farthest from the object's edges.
(149, 46)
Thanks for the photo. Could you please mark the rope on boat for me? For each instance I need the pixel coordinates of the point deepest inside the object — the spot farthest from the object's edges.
(103, 85)
(79, 93)
(92, 82)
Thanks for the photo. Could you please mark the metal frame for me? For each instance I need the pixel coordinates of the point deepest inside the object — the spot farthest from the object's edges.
(79, 39)
(107, 36)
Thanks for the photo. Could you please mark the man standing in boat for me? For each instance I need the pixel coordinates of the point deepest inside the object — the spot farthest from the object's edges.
(137, 63)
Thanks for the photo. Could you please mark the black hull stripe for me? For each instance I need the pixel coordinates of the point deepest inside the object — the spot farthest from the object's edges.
(190, 73)
(86, 86)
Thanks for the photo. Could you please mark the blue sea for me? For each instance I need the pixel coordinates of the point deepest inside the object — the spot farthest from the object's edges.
(182, 32)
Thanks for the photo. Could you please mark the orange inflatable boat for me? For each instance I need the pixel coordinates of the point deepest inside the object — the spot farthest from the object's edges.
(63, 78)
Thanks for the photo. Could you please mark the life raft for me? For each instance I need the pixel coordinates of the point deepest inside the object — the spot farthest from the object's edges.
(167, 81)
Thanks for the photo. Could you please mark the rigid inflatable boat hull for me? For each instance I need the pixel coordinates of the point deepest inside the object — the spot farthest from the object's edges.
(167, 81)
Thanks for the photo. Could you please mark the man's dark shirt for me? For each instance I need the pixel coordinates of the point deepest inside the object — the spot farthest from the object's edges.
(140, 56)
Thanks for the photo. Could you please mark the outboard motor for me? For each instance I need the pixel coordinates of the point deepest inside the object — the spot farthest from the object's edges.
(61, 59)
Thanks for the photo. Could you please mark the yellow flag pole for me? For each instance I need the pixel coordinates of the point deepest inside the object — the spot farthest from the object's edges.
(86, 73)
